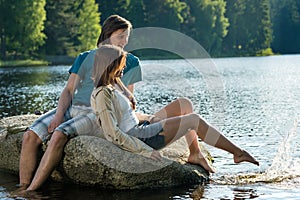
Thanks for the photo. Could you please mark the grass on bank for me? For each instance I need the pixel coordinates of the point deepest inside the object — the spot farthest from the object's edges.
(23, 63)
(144, 54)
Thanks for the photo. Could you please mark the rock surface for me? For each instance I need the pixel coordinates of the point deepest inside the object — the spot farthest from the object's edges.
(94, 161)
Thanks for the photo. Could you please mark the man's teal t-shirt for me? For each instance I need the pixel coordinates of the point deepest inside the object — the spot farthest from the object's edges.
(83, 66)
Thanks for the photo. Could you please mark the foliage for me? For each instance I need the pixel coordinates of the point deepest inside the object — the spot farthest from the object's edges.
(108, 7)
(144, 13)
(209, 24)
(22, 25)
(170, 13)
(60, 27)
(89, 28)
(34, 28)
(250, 27)
(265, 52)
(23, 63)
(286, 26)
(71, 26)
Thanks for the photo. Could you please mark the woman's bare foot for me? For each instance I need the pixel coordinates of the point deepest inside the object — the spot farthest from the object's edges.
(244, 156)
(199, 159)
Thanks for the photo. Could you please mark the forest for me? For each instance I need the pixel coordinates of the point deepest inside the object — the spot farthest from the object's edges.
(34, 29)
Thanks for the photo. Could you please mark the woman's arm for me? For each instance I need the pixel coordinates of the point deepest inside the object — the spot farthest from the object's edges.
(144, 117)
(105, 111)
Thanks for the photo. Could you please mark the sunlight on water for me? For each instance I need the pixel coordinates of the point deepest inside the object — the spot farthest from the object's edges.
(262, 100)
(284, 169)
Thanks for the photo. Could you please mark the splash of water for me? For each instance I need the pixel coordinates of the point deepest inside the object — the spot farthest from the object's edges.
(285, 166)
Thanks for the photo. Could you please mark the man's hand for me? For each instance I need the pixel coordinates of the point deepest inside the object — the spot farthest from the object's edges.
(56, 121)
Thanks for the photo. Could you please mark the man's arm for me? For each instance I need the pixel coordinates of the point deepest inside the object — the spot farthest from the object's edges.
(64, 101)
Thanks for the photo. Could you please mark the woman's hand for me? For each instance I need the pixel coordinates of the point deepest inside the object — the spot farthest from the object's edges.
(154, 119)
(156, 155)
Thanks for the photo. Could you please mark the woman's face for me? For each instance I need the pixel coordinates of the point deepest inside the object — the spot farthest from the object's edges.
(119, 38)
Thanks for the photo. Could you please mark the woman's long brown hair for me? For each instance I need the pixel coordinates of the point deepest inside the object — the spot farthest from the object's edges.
(108, 64)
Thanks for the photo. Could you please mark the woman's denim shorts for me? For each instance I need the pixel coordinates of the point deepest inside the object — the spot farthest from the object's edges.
(150, 134)
(156, 142)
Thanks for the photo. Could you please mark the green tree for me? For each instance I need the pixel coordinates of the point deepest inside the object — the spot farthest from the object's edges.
(5, 19)
(108, 8)
(89, 29)
(22, 25)
(61, 27)
(166, 13)
(156, 13)
(220, 28)
(136, 13)
(250, 30)
(285, 17)
(208, 24)
(71, 27)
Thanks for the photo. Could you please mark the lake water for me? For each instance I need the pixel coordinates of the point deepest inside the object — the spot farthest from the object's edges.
(254, 101)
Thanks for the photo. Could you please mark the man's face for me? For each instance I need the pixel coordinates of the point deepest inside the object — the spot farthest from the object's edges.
(119, 38)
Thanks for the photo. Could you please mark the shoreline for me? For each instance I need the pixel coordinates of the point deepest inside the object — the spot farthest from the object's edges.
(67, 60)
(23, 63)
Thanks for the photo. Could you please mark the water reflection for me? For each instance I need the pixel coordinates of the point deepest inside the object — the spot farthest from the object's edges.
(27, 89)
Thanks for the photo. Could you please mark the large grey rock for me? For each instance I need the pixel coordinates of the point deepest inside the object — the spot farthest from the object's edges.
(94, 161)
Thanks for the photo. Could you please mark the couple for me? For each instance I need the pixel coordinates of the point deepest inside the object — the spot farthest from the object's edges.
(74, 115)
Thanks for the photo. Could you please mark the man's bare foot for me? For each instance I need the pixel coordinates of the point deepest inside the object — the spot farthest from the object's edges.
(199, 159)
(19, 192)
(244, 156)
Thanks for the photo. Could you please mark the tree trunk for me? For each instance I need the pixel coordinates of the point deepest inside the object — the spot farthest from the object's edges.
(3, 45)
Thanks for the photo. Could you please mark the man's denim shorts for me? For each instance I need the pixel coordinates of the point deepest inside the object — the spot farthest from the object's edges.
(78, 120)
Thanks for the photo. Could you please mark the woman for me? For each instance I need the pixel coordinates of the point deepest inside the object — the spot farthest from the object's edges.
(114, 107)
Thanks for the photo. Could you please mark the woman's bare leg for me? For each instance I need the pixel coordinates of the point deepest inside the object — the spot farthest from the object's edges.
(179, 107)
(176, 127)
(196, 156)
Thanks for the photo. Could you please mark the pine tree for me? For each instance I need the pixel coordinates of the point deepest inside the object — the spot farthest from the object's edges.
(22, 25)
(61, 27)
(286, 26)
(89, 29)
(250, 30)
(208, 25)
(71, 27)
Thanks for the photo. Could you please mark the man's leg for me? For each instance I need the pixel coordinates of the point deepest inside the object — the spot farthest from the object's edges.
(81, 124)
(32, 140)
(50, 159)
(28, 158)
